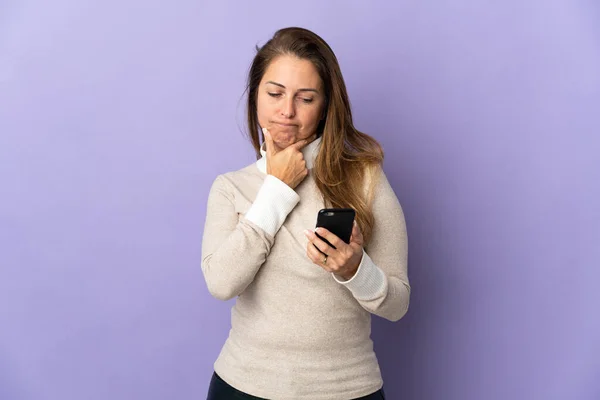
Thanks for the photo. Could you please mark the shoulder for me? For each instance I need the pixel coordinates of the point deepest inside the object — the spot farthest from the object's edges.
(250, 171)
(373, 177)
(231, 181)
(373, 174)
(379, 189)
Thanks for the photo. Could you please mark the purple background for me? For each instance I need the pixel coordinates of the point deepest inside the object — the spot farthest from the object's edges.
(116, 116)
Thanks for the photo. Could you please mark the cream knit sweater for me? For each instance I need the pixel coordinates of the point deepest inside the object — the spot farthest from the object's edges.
(297, 331)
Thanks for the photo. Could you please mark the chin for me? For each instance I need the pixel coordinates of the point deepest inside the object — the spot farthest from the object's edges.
(282, 142)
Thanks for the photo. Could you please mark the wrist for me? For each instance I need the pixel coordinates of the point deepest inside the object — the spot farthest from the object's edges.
(281, 179)
(350, 274)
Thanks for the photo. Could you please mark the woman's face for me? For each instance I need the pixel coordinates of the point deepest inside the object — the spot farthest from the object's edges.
(290, 100)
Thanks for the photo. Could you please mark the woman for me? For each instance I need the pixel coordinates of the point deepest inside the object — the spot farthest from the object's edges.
(301, 324)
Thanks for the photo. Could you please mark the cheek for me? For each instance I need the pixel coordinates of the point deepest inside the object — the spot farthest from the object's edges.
(265, 109)
(311, 118)
(262, 110)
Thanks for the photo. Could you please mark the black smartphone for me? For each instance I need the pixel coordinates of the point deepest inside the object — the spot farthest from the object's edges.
(337, 221)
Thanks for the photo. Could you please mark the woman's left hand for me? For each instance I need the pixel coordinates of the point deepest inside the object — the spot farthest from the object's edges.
(344, 259)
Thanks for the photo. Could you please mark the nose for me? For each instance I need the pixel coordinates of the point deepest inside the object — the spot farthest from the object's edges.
(287, 108)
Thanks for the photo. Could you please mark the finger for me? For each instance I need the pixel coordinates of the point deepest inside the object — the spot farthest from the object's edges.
(314, 254)
(357, 236)
(270, 148)
(319, 244)
(335, 241)
(318, 258)
(299, 145)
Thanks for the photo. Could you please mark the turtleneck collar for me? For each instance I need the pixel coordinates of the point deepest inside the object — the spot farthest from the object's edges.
(310, 154)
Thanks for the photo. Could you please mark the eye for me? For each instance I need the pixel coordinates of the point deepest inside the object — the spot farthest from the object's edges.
(307, 101)
(274, 94)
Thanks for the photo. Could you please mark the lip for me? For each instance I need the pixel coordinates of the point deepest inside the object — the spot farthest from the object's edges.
(284, 124)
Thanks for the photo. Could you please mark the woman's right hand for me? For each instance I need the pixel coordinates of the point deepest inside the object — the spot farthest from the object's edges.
(287, 165)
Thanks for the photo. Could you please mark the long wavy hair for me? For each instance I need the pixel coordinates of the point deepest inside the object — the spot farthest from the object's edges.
(348, 158)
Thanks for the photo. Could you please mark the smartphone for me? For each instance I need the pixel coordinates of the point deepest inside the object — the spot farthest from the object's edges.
(337, 221)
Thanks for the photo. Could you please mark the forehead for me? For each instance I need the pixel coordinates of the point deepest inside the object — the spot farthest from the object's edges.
(293, 72)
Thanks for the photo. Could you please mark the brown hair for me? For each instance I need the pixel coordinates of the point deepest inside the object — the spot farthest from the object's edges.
(347, 158)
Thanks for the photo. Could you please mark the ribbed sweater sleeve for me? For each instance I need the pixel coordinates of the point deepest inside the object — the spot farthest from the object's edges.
(381, 283)
(234, 247)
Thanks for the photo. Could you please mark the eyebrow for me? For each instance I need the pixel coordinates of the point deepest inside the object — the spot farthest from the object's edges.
(300, 90)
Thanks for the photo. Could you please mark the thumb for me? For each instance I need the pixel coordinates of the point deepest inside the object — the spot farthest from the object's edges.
(357, 236)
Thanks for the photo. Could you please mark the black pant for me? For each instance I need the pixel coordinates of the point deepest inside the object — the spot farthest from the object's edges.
(221, 390)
